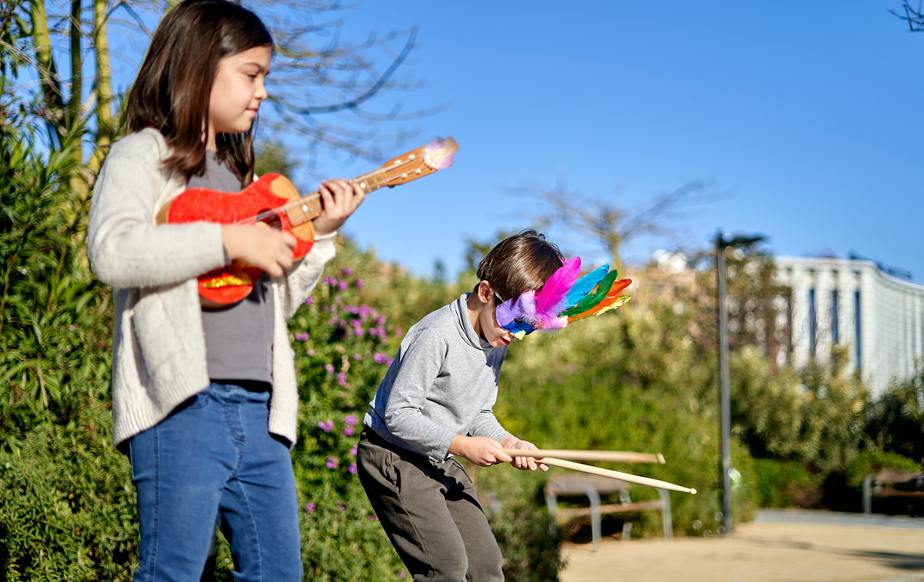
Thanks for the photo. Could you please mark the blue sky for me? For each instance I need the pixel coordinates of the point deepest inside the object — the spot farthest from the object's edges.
(804, 118)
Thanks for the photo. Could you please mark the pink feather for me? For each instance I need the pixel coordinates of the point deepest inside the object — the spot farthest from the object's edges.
(553, 293)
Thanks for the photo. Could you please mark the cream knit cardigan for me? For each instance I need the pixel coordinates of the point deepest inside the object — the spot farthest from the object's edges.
(158, 347)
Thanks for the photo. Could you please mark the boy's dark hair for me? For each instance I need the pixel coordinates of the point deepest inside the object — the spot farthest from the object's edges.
(172, 90)
(519, 263)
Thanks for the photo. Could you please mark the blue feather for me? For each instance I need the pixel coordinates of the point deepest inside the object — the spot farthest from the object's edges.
(583, 286)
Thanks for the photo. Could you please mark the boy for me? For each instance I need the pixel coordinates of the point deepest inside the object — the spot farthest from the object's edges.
(435, 402)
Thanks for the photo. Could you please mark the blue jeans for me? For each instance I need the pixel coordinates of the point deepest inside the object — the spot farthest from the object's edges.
(214, 458)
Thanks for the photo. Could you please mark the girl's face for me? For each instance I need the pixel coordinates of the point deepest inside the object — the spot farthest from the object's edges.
(238, 91)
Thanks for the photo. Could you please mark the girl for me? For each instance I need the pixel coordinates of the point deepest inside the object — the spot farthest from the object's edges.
(436, 401)
(204, 402)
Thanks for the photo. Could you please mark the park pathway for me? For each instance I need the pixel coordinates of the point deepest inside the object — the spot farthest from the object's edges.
(779, 546)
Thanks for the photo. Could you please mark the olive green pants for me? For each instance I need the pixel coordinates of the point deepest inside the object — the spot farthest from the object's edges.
(430, 513)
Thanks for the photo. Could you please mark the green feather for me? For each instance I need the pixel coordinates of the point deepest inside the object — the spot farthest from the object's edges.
(594, 297)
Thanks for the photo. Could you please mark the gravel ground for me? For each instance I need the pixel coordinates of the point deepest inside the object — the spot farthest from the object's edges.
(790, 546)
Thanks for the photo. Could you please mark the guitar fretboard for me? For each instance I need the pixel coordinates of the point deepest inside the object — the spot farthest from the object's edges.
(308, 207)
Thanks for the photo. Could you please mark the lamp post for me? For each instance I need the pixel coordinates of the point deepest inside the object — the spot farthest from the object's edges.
(722, 243)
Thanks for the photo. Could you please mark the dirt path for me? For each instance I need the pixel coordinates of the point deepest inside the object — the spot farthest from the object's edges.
(778, 547)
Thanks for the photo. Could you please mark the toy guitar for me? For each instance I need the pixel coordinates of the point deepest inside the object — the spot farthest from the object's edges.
(274, 201)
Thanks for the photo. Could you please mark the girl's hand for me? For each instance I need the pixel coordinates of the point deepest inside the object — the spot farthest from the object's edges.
(339, 199)
(482, 451)
(260, 246)
(523, 463)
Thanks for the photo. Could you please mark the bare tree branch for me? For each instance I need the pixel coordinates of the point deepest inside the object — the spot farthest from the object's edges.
(609, 225)
(913, 16)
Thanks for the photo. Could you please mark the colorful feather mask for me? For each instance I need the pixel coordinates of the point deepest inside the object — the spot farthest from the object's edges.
(563, 299)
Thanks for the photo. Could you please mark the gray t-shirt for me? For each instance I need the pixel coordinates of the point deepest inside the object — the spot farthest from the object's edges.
(238, 338)
(443, 382)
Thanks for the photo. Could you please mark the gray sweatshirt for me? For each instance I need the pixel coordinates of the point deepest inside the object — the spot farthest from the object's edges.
(443, 382)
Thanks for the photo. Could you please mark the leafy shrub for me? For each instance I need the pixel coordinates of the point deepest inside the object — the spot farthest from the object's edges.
(68, 506)
(895, 422)
(786, 484)
(872, 462)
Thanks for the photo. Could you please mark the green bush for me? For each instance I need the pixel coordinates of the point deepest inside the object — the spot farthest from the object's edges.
(786, 484)
(895, 422)
(872, 462)
(68, 506)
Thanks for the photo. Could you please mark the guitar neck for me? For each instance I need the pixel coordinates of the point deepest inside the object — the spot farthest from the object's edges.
(308, 207)
(407, 167)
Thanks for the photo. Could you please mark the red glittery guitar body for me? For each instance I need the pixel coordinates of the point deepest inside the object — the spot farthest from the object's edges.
(274, 201)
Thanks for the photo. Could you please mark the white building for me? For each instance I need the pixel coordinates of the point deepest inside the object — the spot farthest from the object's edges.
(878, 317)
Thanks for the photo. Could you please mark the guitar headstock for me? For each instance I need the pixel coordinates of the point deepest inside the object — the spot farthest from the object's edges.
(417, 163)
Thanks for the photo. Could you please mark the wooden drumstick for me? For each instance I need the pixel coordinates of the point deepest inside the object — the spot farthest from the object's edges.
(578, 455)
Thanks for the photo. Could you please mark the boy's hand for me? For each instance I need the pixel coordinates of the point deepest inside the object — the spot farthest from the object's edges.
(482, 451)
(265, 248)
(523, 463)
(339, 199)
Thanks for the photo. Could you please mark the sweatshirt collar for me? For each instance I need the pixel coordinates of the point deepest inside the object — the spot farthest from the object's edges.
(465, 326)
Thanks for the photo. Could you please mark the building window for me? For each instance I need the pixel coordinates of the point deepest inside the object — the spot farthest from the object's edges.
(812, 323)
(857, 330)
(835, 322)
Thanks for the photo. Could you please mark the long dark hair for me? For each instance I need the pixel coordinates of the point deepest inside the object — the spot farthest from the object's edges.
(172, 90)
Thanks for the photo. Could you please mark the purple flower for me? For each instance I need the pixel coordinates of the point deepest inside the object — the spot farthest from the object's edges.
(342, 285)
(346, 271)
(328, 280)
(359, 283)
(354, 449)
(379, 358)
(379, 319)
(310, 507)
(352, 468)
(302, 336)
(309, 301)
(331, 463)
(341, 379)
(357, 331)
(329, 368)
(349, 420)
(348, 431)
(326, 425)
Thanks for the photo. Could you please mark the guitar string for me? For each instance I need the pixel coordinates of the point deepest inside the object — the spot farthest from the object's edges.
(308, 198)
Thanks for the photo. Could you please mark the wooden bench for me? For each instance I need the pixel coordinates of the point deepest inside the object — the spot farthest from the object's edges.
(891, 483)
(591, 486)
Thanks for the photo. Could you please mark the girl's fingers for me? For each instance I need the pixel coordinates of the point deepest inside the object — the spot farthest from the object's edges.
(327, 198)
